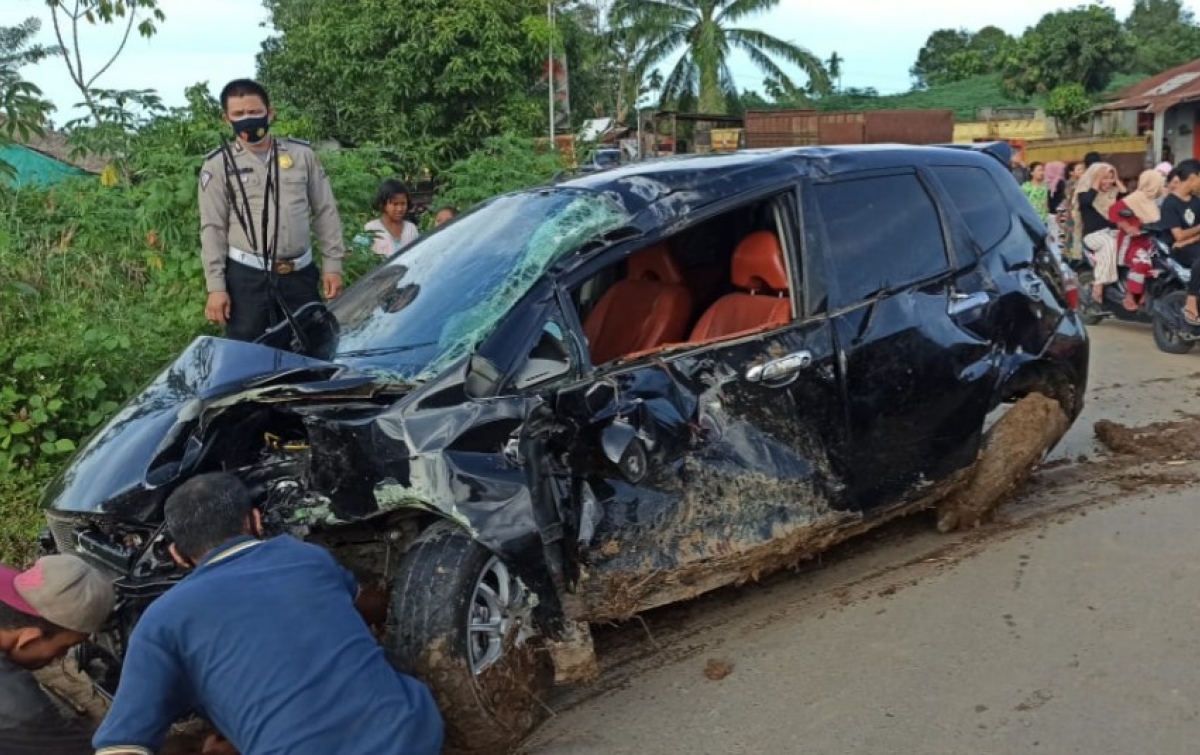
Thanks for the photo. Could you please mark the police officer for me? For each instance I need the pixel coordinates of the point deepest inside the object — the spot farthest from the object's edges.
(260, 199)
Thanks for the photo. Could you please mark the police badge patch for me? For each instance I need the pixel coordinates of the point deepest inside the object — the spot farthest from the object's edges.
(205, 177)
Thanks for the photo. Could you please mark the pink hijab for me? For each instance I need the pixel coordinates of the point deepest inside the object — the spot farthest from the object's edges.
(1142, 201)
(1055, 173)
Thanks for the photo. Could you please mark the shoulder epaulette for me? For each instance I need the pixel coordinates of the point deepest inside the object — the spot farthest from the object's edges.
(212, 154)
(294, 140)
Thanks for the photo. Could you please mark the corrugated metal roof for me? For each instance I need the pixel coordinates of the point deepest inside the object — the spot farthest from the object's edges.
(1160, 93)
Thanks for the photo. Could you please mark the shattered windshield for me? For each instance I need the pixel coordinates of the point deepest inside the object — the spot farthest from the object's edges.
(435, 302)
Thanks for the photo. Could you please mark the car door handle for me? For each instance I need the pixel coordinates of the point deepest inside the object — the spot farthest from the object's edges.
(960, 303)
(779, 368)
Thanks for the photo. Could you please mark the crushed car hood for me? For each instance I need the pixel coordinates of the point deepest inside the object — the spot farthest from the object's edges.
(119, 460)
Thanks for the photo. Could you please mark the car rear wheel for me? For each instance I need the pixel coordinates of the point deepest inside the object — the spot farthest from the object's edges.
(460, 621)
(1166, 337)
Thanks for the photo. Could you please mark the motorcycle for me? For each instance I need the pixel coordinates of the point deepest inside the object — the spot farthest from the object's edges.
(1162, 302)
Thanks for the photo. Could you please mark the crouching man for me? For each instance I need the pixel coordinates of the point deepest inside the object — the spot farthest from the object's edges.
(43, 613)
(264, 639)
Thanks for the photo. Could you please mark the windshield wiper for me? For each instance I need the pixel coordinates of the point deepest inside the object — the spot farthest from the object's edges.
(384, 350)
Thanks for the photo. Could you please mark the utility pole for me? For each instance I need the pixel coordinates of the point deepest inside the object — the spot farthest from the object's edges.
(639, 117)
(550, 70)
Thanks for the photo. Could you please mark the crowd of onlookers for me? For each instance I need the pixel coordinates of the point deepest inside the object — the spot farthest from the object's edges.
(1091, 214)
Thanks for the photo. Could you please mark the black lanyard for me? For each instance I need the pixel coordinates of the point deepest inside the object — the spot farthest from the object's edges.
(270, 222)
(243, 211)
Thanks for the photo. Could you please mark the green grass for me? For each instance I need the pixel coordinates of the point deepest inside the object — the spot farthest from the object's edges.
(963, 97)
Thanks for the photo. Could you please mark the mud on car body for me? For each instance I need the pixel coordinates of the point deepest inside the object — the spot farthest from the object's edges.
(580, 402)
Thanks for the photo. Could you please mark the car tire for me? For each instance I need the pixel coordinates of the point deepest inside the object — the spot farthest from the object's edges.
(447, 587)
(1166, 338)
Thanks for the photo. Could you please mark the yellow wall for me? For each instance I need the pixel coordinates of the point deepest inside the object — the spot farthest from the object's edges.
(1037, 128)
(725, 139)
(1069, 150)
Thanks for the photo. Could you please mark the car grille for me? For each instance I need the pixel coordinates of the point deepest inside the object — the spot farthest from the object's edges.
(78, 535)
(63, 531)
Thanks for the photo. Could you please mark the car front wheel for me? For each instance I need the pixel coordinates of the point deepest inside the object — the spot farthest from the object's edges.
(460, 620)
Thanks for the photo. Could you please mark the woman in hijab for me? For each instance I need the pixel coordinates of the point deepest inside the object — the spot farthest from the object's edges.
(1066, 215)
(1144, 203)
(1095, 194)
(1056, 185)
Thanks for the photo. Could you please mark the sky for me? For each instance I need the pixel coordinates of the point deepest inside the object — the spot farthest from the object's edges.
(216, 40)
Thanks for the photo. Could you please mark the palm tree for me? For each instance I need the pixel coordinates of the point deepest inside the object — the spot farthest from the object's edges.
(835, 68)
(707, 32)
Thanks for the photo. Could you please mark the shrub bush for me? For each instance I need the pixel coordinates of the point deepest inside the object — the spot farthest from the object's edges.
(99, 288)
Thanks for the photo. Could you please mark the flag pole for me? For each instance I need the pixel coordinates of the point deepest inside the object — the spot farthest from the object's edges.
(550, 70)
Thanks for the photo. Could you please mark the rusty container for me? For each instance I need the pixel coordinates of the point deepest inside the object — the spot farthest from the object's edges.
(780, 128)
(909, 127)
(797, 128)
(841, 128)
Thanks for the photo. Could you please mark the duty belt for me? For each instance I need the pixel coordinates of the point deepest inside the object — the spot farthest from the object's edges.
(282, 267)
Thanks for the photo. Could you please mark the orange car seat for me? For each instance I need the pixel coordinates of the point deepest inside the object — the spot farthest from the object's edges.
(649, 307)
(759, 270)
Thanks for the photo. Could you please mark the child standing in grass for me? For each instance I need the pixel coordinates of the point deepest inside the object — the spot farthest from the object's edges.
(391, 231)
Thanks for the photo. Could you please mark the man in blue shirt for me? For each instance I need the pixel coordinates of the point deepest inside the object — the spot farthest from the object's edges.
(264, 640)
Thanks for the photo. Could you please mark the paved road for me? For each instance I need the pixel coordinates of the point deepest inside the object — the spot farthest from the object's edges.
(1072, 625)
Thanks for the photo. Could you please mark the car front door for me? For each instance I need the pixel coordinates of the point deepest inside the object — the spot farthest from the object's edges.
(917, 382)
(708, 464)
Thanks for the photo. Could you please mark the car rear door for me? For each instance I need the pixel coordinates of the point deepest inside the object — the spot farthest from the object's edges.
(916, 381)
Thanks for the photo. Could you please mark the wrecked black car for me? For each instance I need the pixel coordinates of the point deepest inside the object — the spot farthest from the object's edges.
(577, 403)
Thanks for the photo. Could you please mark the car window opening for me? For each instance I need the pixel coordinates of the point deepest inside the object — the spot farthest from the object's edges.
(715, 281)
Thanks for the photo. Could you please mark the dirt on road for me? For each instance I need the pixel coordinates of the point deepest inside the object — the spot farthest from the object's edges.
(1137, 443)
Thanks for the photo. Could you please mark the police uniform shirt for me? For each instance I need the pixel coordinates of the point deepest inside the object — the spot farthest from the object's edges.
(306, 205)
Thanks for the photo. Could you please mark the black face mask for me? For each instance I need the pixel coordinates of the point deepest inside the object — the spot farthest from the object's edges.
(255, 127)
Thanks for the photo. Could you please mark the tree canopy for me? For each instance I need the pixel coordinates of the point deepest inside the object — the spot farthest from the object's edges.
(951, 55)
(1164, 35)
(431, 78)
(1085, 46)
(22, 108)
(707, 32)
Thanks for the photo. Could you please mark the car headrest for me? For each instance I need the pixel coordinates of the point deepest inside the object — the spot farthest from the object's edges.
(654, 263)
(758, 263)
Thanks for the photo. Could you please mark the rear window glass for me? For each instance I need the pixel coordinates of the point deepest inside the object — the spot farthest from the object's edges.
(979, 201)
(882, 232)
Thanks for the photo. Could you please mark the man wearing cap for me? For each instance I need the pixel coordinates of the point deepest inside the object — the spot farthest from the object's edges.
(261, 198)
(265, 637)
(44, 612)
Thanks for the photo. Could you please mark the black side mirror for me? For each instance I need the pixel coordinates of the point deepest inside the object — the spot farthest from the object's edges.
(311, 331)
